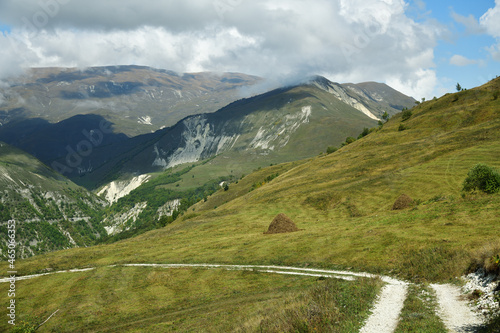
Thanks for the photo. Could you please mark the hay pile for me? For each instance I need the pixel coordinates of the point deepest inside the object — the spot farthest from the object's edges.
(281, 224)
(402, 202)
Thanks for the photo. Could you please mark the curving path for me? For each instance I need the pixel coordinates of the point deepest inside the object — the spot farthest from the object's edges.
(454, 311)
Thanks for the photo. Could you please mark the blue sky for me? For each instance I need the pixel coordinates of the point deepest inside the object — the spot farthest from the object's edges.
(473, 46)
(420, 47)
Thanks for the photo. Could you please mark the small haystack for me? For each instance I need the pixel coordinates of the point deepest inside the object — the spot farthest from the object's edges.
(403, 202)
(281, 224)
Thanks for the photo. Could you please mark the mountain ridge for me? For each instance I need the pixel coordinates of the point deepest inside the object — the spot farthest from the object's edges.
(144, 99)
(58, 147)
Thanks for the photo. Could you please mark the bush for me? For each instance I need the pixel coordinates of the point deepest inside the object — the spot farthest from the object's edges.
(406, 115)
(365, 132)
(349, 140)
(402, 128)
(331, 150)
(484, 178)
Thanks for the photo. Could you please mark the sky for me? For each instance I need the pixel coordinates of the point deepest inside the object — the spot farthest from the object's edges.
(422, 48)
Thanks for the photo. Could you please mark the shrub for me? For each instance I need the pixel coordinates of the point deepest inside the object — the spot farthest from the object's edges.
(482, 177)
(402, 128)
(406, 115)
(331, 150)
(349, 140)
(365, 132)
(385, 116)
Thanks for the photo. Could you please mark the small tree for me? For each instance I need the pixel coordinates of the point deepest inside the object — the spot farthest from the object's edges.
(365, 132)
(482, 177)
(226, 187)
(406, 115)
(385, 116)
(459, 87)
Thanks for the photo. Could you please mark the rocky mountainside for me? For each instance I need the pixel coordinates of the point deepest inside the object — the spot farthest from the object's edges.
(371, 98)
(84, 124)
(51, 212)
(281, 125)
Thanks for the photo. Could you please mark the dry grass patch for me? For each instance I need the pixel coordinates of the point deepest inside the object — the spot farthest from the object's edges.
(487, 257)
(404, 201)
(281, 224)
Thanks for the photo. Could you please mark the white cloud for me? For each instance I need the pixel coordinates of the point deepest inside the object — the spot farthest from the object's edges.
(495, 52)
(470, 22)
(360, 40)
(491, 20)
(420, 84)
(458, 60)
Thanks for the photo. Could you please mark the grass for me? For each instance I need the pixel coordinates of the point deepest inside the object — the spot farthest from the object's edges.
(419, 312)
(138, 299)
(331, 306)
(443, 231)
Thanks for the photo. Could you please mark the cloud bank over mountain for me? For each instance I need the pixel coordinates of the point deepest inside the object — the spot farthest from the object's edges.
(355, 40)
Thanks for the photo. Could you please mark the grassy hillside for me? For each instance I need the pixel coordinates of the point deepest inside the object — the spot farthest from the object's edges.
(118, 299)
(330, 122)
(280, 126)
(342, 202)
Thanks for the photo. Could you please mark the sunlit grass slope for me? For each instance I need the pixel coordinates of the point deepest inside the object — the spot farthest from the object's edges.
(343, 203)
(126, 299)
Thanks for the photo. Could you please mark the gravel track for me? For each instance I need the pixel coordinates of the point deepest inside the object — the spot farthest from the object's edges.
(385, 315)
(454, 311)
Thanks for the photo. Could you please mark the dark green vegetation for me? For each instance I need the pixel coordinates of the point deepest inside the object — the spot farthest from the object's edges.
(156, 194)
(483, 178)
(51, 212)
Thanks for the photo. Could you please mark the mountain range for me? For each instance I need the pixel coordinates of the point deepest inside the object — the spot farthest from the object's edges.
(112, 129)
(43, 115)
